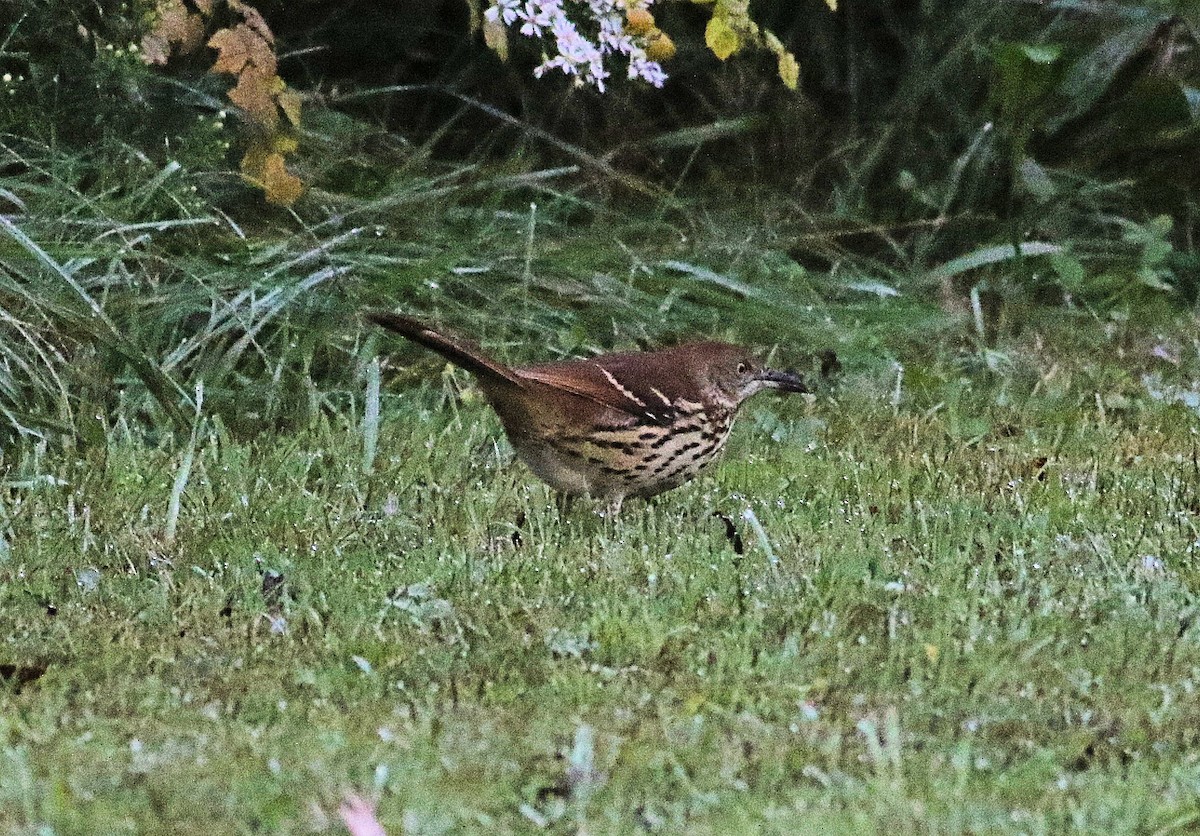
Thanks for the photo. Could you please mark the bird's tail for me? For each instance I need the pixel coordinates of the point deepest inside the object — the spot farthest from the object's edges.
(458, 351)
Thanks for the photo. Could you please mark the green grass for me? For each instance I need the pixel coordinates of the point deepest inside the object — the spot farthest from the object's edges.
(981, 620)
(959, 596)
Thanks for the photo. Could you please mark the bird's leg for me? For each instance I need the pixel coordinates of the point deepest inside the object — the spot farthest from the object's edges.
(613, 507)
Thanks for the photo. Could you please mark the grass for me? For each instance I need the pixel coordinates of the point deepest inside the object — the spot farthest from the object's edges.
(954, 594)
(981, 620)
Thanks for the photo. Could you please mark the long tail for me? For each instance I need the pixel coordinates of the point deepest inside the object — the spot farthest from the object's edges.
(460, 352)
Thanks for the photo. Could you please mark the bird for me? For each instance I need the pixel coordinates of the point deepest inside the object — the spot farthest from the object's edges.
(614, 426)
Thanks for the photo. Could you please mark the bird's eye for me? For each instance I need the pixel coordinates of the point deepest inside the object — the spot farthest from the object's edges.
(742, 368)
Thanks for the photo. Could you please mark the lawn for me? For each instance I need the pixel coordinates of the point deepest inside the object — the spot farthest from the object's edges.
(267, 569)
(933, 598)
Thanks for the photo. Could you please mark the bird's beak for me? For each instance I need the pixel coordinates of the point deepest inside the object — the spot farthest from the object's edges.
(784, 381)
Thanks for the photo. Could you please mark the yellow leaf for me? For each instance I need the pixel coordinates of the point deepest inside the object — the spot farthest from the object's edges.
(289, 103)
(254, 161)
(931, 653)
(659, 46)
(789, 70)
(721, 38)
(279, 185)
(832, 4)
(496, 38)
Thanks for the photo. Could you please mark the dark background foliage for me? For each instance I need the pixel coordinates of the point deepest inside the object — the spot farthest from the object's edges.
(924, 135)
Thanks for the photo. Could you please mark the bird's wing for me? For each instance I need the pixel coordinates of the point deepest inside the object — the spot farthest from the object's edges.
(607, 384)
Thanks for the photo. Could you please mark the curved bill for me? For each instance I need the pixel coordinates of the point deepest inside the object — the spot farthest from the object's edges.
(784, 381)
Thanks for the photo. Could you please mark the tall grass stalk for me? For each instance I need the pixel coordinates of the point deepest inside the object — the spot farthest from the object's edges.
(185, 470)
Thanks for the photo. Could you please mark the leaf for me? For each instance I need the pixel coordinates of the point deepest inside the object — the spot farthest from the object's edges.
(281, 186)
(1036, 180)
(241, 46)
(690, 137)
(878, 288)
(659, 46)
(992, 255)
(175, 26)
(284, 144)
(255, 95)
(254, 19)
(720, 38)
(232, 52)
(1089, 76)
(254, 161)
(789, 70)
(1023, 83)
(1191, 95)
(638, 21)
(1041, 53)
(1070, 271)
(289, 103)
(712, 277)
(1154, 279)
(155, 48)
(832, 4)
(496, 38)
(268, 172)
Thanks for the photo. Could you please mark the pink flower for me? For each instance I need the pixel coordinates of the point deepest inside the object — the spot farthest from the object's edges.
(577, 54)
(358, 814)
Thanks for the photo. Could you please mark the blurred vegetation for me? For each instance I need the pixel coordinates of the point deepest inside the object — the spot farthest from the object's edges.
(976, 157)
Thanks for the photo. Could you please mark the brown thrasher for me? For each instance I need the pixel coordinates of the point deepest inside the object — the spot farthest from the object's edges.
(617, 425)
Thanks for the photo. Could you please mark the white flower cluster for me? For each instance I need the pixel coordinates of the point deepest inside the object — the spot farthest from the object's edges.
(577, 55)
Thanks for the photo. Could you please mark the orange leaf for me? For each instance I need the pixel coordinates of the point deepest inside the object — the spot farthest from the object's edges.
(254, 95)
(232, 52)
(173, 26)
(239, 46)
(193, 35)
(154, 49)
(253, 19)
(638, 21)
